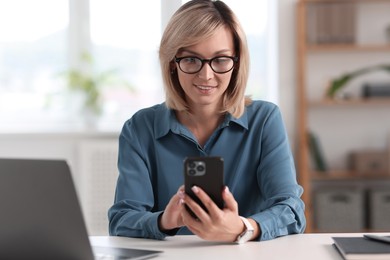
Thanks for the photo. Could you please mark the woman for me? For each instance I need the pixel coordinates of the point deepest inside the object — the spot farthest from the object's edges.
(204, 60)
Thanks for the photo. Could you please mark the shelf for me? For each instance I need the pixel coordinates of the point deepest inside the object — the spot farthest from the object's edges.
(346, 175)
(350, 102)
(348, 47)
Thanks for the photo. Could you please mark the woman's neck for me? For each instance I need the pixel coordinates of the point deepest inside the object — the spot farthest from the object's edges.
(202, 123)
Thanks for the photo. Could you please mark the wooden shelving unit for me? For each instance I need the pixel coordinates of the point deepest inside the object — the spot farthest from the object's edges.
(306, 176)
(345, 175)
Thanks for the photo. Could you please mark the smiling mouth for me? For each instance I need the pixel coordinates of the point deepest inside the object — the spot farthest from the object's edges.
(204, 87)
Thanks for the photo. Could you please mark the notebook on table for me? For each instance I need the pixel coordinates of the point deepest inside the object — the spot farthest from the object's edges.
(41, 218)
(360, 248)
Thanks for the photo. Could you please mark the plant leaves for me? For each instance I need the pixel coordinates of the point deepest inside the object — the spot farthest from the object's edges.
(341, 81)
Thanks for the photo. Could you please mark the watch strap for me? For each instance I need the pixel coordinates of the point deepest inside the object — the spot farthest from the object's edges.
(248, 232)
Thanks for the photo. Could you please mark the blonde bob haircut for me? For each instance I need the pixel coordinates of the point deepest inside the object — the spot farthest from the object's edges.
(190, 24)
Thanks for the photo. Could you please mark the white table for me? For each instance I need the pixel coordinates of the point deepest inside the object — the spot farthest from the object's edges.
(293, 247)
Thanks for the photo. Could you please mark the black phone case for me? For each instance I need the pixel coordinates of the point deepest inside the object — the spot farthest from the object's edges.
(211, 180)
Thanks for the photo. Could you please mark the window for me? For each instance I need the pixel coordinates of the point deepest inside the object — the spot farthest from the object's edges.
(32, 51)
(43, 42)
(255, 17)
(125, 36)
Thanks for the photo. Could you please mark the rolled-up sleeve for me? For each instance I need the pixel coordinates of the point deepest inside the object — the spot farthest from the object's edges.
(132, 214)
(283, 209)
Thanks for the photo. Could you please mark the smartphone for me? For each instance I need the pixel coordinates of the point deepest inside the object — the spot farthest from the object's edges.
(206, 173)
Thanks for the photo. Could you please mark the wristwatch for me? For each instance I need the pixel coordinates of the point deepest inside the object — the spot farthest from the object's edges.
(247, 234)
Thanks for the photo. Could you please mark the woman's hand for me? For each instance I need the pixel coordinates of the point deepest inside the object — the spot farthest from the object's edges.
(216, 225)
(172, 217)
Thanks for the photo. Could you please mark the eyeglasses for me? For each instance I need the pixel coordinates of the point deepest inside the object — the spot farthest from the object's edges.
(220, 64)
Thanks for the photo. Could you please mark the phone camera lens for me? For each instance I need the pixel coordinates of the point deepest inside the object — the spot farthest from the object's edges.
(200, 168)
(191, 172)
(191, 165)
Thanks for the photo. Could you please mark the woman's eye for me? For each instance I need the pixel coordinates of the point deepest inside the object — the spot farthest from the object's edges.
(190, 60)
(221, 60)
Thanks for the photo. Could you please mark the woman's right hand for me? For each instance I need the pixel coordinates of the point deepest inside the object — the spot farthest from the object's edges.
(171, 217)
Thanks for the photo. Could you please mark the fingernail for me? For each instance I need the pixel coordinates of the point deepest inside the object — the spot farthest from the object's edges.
(181, 194)
(180, 201)
(195, 189)
(227, 189)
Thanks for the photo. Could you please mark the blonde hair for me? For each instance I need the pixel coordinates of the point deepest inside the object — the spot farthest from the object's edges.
(190, 24)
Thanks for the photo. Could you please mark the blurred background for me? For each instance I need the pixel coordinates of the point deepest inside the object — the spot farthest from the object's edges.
(72, 72)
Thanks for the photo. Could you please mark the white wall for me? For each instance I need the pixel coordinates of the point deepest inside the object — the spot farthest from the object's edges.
(287, 60)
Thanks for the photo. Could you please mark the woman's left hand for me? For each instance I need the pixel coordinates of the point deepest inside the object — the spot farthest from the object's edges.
(216, 225)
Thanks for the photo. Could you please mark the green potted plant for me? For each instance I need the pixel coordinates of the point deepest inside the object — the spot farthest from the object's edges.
(90, 86)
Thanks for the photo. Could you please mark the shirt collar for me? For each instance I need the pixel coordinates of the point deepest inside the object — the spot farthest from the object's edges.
(166, 121)
(241, 121)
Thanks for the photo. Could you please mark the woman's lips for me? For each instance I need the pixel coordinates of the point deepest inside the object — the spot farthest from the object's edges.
(203, 87)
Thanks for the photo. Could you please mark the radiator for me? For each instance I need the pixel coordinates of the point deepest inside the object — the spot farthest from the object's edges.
(98, 174)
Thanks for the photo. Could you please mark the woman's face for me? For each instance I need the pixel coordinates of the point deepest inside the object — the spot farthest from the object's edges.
(205, 88)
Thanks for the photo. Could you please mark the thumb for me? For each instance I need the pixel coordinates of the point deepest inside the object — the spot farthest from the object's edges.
(230, 202)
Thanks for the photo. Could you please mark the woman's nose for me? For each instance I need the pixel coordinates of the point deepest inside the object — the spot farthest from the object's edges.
(206, 72)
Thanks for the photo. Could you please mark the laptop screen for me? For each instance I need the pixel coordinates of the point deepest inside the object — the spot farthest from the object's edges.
(41, 216)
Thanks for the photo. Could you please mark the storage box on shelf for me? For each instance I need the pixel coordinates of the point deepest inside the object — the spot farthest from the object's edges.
(379, 204)
(339, 210)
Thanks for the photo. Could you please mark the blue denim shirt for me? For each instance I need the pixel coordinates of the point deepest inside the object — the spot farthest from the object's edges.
(259, 170)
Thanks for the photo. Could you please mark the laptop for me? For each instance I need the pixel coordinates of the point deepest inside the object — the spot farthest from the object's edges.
(41, 218)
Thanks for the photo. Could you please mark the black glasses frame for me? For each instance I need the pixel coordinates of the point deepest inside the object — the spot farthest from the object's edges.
(208, 61)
